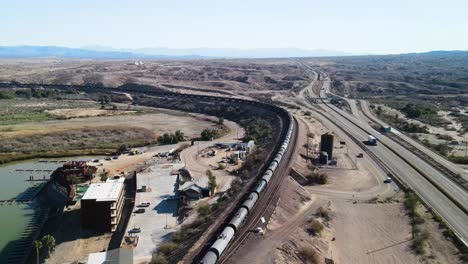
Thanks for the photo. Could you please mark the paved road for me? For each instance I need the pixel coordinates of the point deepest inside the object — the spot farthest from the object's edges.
(441, 204)
(447, 164)
(453, 215)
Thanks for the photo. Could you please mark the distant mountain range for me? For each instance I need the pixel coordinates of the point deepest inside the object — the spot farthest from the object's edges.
(101, 52)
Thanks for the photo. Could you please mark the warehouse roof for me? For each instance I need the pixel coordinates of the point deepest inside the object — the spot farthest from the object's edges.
(106, 191)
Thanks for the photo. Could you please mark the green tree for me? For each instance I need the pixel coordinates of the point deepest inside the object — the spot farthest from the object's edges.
(103, 175)
(49, 243)
(221, 121)
(211, 181)
(179, 135)
(209, 133)
(123, 148)
(37, 245)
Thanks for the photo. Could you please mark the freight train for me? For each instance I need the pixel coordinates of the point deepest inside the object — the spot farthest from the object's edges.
(219, 246)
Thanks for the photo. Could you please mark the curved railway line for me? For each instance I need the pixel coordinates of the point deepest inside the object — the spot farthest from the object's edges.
(266, 190)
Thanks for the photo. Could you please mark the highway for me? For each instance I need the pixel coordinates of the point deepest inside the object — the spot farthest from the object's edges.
(416, 173)
(446, 163)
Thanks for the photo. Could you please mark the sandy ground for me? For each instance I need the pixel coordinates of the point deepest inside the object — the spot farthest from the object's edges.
(163, 121)
(197, 165)
(84, 112)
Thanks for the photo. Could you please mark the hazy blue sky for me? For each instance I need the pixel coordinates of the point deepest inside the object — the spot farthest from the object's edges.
(373, 26)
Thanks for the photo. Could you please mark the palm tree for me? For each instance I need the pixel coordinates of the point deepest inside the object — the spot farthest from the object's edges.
(49, 243)
(37, 245)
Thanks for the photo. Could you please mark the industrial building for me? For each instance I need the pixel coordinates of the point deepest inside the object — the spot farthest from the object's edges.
(102, 204)
(326, 145)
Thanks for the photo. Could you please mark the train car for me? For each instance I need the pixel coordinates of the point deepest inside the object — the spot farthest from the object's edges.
(209, 258)
(250, 202)
(267, 176)
(223, 240)
(260, 187)
(238, 219)
(274, 165)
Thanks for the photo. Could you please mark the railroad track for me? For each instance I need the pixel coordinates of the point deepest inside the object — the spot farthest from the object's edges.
(269, 198)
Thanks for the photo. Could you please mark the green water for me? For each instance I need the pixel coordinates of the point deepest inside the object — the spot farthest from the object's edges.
(15, 217)
(14, 221)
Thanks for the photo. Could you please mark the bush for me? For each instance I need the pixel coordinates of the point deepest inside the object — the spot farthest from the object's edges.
(315, 227)
(167, 248)
(204, 210)
(308, 255)
(210, 134)
(411, 202)
(419, 243)
(315, 178)
(158, 259)
(324, 213)
(221, 166)
(458, 159)
(169, 138)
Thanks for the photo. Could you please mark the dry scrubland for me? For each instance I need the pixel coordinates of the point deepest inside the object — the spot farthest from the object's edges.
(55, 128)
(226, 75)
(426, 94)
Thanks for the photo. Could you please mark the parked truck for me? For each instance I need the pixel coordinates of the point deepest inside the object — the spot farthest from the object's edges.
(372, 140)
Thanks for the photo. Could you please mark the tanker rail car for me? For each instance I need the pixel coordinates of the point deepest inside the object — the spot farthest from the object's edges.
(219, 246)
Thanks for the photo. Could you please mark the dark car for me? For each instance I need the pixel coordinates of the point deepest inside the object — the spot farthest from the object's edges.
(108, 158)
(134, 230)
(360, 155)
(139, 211)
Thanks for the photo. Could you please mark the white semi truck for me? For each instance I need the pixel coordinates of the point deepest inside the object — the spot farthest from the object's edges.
(372, 140)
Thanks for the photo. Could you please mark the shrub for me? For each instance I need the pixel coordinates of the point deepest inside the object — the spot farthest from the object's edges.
(316, 178)
(315, 227)
(309, 255)
(158, 259)
(324, 213)
(411, 202)
(204, 210)
(210, 133)
(221, 166)
(169, 138)
(167, 248)
(419, 243)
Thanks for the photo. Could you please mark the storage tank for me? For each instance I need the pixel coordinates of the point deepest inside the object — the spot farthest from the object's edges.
(323, 158)
(326, 144)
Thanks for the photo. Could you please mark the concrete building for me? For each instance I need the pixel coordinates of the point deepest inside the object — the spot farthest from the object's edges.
(326, 145)
(102, 204)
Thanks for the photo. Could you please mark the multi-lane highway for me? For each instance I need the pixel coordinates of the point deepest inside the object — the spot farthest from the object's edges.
(443, 195)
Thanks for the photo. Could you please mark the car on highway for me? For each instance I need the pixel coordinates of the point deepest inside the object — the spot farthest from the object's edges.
(139, 211)
(134, 230)
(388, 180)
(360, 155)
(108, 158)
